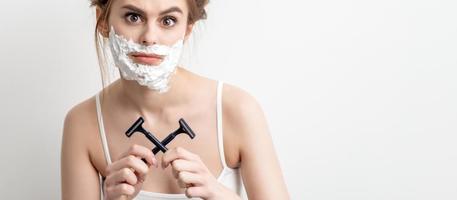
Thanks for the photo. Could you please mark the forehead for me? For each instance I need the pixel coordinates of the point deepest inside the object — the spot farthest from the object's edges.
(151, 6)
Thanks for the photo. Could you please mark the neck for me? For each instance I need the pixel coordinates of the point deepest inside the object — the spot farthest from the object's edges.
(144, 100)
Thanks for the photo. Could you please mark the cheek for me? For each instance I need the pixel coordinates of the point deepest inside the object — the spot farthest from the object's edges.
(170, 37)
(170, 40)
(125, 31)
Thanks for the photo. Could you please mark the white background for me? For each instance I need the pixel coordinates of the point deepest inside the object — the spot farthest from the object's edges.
(360, 95)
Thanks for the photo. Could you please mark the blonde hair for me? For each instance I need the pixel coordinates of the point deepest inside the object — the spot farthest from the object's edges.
(196, 12)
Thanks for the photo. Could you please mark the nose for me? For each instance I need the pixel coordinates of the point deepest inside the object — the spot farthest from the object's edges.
(150, 35)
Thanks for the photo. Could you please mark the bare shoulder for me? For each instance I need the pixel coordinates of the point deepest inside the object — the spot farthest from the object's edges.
(78, 175)
(243, 124)
(237, 94)
(241, 109)
(79, 125)
(81, 109)
(248, 129)
(79, 116)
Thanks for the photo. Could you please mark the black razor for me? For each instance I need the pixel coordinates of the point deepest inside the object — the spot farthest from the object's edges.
(138, 127)
(183, 128)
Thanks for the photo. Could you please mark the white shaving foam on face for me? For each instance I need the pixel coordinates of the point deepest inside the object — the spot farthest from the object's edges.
(155, 77)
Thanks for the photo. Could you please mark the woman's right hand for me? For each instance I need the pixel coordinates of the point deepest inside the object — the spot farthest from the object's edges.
(125, 177)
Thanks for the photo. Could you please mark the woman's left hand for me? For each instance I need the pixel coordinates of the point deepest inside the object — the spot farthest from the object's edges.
(192, 174)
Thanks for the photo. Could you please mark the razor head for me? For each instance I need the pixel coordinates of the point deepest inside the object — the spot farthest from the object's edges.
(186, 128)
(137, 126)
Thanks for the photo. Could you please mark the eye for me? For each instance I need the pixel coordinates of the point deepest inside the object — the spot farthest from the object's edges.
(133, 18)
(169, 21)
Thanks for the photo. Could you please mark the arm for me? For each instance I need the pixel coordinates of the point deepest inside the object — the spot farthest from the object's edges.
(78, 176)
(260, 168)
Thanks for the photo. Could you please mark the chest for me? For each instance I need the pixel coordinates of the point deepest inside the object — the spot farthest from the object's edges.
(205, 144)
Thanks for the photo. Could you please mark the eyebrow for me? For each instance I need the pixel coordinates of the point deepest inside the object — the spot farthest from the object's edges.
(141, 12)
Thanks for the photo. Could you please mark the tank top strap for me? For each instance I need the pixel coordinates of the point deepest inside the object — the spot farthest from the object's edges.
(220, 136)
(101, 128)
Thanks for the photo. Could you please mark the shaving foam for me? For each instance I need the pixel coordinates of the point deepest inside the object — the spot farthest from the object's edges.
(155, 77)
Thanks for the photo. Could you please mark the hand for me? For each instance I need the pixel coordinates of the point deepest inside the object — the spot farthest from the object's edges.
(191, 173)
(125, 177)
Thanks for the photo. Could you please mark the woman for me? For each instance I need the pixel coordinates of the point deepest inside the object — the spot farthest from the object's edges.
(143, 39)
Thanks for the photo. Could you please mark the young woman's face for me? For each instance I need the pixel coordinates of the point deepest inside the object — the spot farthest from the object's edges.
(150, 22)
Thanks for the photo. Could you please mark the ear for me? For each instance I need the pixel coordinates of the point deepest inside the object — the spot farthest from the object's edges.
(189, 29)
(102, 26)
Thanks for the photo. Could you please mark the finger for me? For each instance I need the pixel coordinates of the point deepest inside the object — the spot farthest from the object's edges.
(196, 192)
(131, 161)
(142, 152)
(180, 165)
(120, 190)
(121, 176)
(188, 179)
(176, 153)
(181, 184)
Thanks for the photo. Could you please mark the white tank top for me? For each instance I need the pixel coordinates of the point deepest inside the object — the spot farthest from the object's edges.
(229, 177)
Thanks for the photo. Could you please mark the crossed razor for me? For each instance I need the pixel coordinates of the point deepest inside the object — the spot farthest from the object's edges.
(160, 145)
